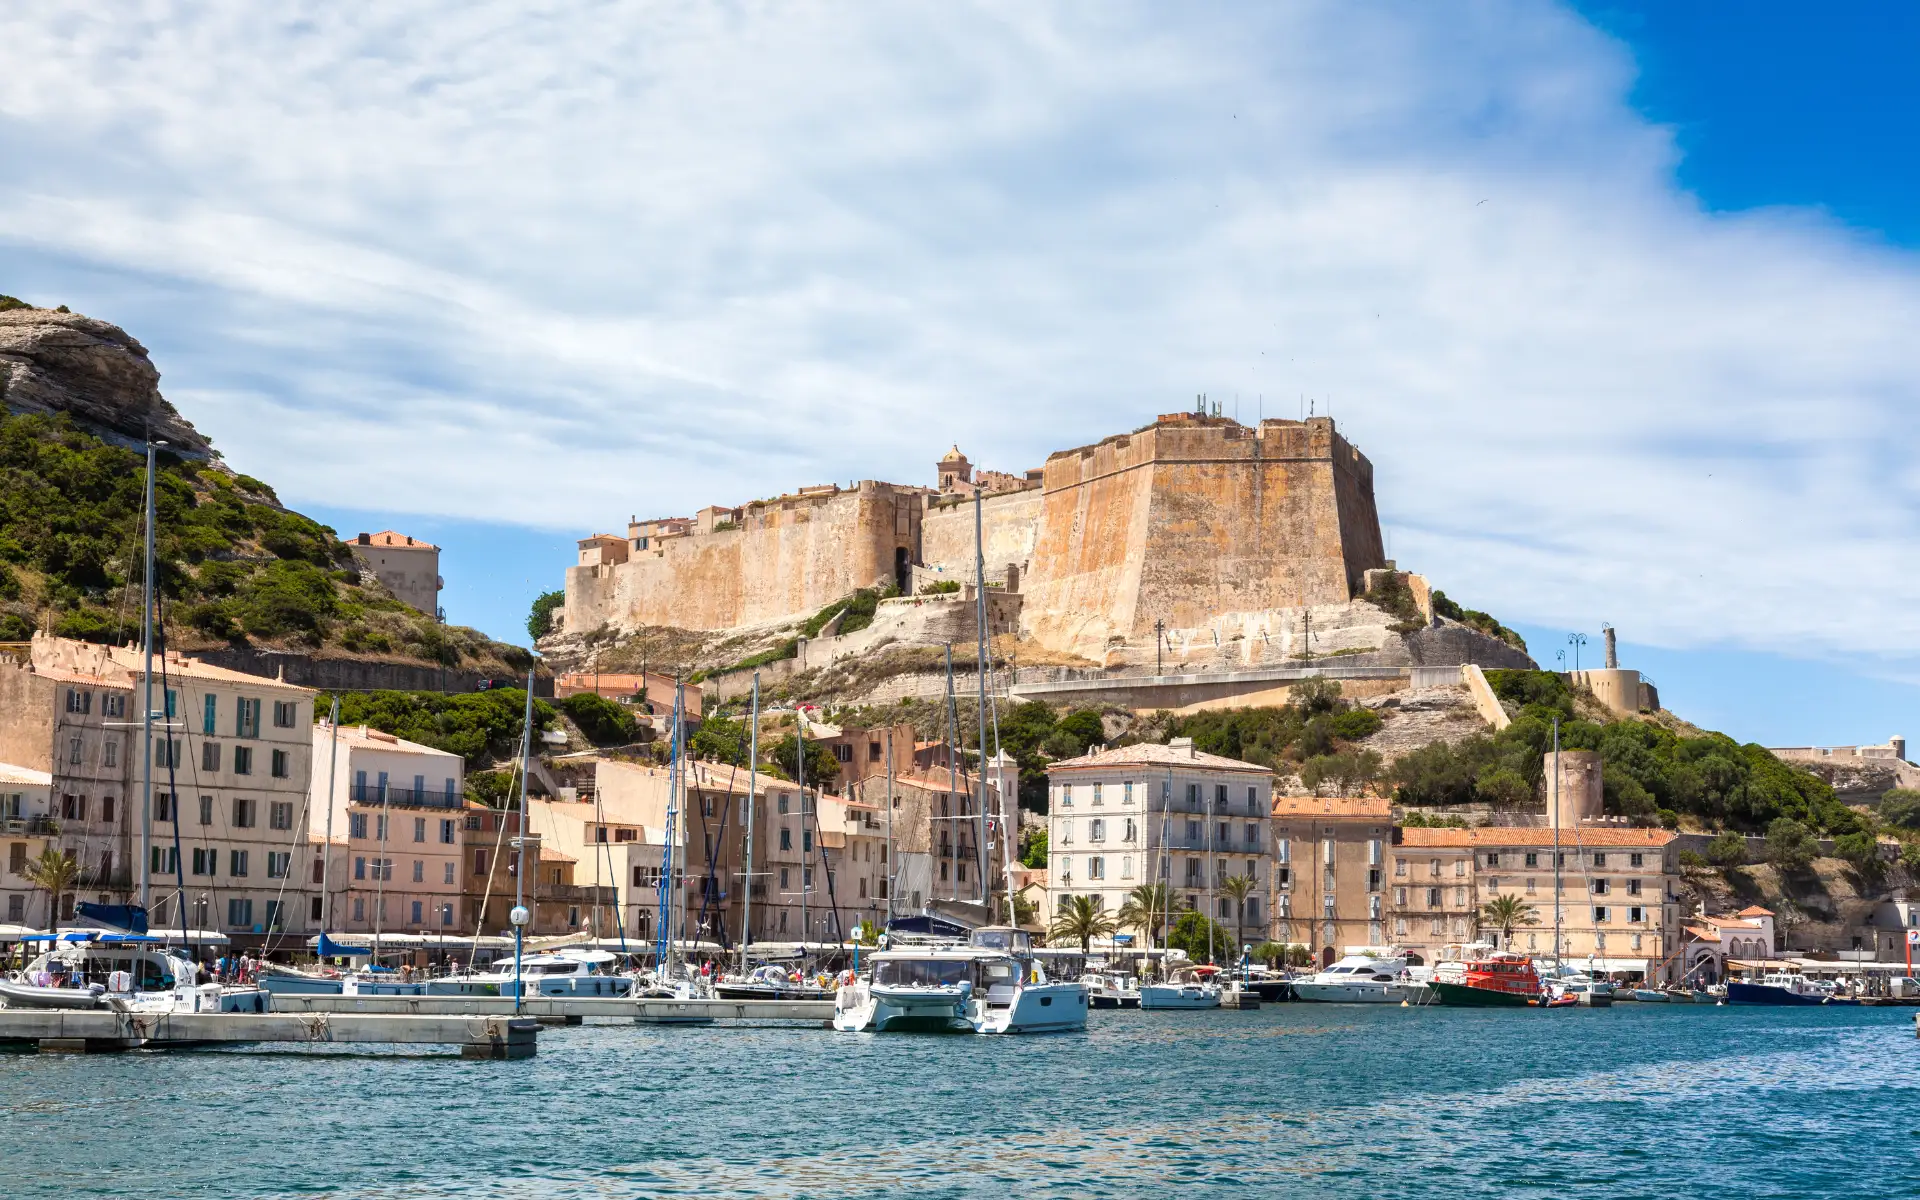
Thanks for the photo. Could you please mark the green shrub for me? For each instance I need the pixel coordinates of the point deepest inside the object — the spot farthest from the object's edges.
(1190, 933)
(940, 587)
(540, 620)
(1692, 859)
(1901, 806)
(604, 722)
(470, 724)
(9, 583)
(1391, 593)
(1474, 619)
(1791, 845)
(1727, 850)
(15, 628)
(1861, 850)
(1355, 724)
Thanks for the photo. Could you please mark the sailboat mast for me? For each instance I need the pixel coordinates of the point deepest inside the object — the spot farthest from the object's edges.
(806, 859)
(146, 709)
(326, 850)
(753, 791)
(892, 875)
(1556, 842)
(526, 769)
(980, 670)
(953, 761)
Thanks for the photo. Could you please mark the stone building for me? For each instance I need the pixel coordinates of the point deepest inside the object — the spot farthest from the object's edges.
(402, 808)
(1129, 816)
(26, 827)
(1329, 872)
(409, 568)
(1186, 523)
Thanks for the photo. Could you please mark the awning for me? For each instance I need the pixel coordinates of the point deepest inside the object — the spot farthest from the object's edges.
(1612, 965)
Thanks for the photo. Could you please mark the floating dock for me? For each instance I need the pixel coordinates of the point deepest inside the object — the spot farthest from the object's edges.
(571, 1009)
(478, 1036)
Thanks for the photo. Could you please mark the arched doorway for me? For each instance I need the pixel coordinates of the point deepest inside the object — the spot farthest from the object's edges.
(1326, 956)
(903, 570)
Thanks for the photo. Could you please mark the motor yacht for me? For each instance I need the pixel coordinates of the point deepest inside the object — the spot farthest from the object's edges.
(1184, 988)
(1501, 980)
(571, 971)
(1370, 976)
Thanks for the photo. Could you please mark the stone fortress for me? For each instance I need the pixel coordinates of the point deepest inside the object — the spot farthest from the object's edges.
(1194, 543)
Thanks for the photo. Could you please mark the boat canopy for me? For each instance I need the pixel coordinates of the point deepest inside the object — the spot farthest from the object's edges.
(130, 917)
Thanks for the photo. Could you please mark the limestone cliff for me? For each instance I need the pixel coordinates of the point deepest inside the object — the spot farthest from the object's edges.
(61, 362)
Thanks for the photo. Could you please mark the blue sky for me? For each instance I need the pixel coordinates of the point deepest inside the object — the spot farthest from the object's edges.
(1619, 299)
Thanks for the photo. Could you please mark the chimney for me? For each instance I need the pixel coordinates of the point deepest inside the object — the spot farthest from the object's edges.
(366, 539)
(1181, 743)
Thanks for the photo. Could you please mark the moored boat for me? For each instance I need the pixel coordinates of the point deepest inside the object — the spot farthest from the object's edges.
(1185, 988)
(1364, 976)
(1499, 981)
(1780, 989)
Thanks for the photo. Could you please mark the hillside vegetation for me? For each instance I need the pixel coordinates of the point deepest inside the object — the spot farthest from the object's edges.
(235, 566)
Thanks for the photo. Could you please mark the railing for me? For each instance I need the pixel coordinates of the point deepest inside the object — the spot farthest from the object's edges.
(406, 797)
(103, 879)
(29, 827)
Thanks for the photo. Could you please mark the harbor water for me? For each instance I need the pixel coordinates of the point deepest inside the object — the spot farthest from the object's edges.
(1296, 1100)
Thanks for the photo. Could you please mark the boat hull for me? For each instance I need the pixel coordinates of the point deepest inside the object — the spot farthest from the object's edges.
(902, 1010)
(1460, 995)
(23, 995)
(298, 985)
(1760, 993)
(1037, 1008)
(1159, 996)
(1353, 993)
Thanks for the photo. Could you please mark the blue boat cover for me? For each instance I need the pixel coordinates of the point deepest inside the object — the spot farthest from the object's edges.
(130, 917)
(328, 948)
(927, 925)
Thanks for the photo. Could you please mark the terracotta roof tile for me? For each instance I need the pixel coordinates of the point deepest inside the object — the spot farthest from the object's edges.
(1369, 807)
(1584, 838)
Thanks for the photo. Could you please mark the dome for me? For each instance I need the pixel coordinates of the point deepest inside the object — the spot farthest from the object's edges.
(953, 455)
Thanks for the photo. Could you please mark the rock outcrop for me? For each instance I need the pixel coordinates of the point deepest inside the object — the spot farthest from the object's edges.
(53, 362)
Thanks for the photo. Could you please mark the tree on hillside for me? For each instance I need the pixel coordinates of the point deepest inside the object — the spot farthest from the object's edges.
(1727, 850)
(540, 620)
(1861, 851)
(783, 759)
(1900, 806)
(1033, 848)
(1791, 845)
(1081, 920)
(604, 722)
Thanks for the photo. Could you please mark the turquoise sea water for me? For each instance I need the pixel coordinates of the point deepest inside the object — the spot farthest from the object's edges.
(1293, 1100)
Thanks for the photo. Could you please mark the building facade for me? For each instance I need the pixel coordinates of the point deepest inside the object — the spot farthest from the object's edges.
(26, 829)
(401, 807)
(1134, 815)
(1329, 872)
(408, 567)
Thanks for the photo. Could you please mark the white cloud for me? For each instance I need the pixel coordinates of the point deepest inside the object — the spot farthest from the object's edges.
(670, 255)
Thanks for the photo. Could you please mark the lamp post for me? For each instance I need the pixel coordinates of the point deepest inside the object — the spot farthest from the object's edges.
(519, 918)
(1576, 640)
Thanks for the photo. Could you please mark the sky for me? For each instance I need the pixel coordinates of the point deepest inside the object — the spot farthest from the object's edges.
(1618, 299)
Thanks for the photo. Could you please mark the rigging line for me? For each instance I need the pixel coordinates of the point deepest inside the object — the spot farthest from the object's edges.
(493, 865)
(173, 790)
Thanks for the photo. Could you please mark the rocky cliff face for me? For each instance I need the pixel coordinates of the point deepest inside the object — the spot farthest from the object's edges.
(53, 362)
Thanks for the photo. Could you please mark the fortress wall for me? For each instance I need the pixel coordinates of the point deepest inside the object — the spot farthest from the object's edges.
(789, 557)
(1359, 517)
(1085, 576)
(1010, 524)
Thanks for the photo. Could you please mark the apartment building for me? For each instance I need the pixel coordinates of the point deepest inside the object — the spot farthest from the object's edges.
(1434, 898)
(557, 900)
(230, 763)
(1123, 817)
(401, 807)
(1618, 890)
(26, 829)
(1329, 872)
(409, 568)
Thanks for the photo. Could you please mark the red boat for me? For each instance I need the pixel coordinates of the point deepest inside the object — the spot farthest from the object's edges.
(1499, 981)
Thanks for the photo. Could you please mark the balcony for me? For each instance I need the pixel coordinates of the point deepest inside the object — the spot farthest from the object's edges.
(402, 797)
(29, 827)
(117, 879)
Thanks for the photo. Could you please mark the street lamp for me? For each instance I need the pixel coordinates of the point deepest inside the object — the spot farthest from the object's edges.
(1576, 640)
(519, 917)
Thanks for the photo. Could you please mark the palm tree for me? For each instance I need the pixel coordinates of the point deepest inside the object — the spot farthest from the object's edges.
(1238, 888)
(1148, 907)
(56, 871)
(1082, 920)
(1505, 913)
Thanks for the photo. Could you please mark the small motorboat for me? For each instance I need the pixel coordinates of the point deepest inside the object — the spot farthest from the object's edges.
(27, 995)
(1187, 987)
(1651, 996)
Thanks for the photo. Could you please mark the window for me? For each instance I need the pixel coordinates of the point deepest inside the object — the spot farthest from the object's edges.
(209, 718)
(1130, 832)
(448, 872)
(452, 790)
(1433, 897)
(206, 810)
(209, 756)
(166, 752)
(1066, 795)
(1493, 860)
(1459, 897)
(359, 908)
(1373, 879)
(165, 860)
(1220, 795)
(1433, 868)
(1533, 858)
(1599, 860)
(163, 806)
(380, 827)
(417, 906)
(243, 760)
(242, 813)
(1193, 833)
(1283, 850)
(79, 701)
(446, 914)
(1253, 799)
(173, 703)
(279, 764)
(446, 832)
(73, 808)
(786, 838)
(419, 829)
(204, 860)
(1097, 829)
(1633, 887)
(1400, 897)
(1193, 796)
(1066, 831)
(1400, 927)
(110, 753)
(1373, 907)
(1598, 887)
(239, 914)
(284, 713)
(1530, 887)
(783, 803)
(1283, 877)
(1399, 868)
(237, 863)
(356, 825)
(1493, 883)
(73, 751)
(1126, 866)
(1459, 867)
(1126, 793)
(1096, 867)
(280, 814)
(1096, 794)
(246, 718)
(278, 862)
(1600, 915)
(419, 871)
(806, 842)
(359, 867)
(479, 862)
(1636, 914)
(1636, 860)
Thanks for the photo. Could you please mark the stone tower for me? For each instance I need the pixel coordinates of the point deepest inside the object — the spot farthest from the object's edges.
(955, 471)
